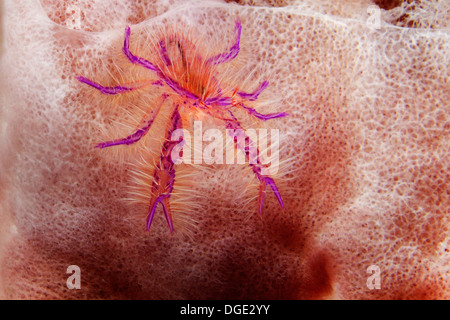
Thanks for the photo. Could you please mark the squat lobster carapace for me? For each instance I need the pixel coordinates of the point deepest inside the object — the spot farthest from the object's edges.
(190, 84)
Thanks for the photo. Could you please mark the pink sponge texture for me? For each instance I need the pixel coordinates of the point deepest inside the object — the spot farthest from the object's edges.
(366, 142)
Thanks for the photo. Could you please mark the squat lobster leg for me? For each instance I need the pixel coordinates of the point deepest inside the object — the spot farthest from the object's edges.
(261, 116)
(163, 49)
(251, 157)
(105, 90)
(164, 175)
(234, 50)
(136, 136)
(262, 190)
(254, 95)
(164, 200)
(117, 89)
(135, 59)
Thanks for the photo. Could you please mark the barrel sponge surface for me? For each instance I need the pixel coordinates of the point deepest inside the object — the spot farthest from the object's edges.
(366, 146)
